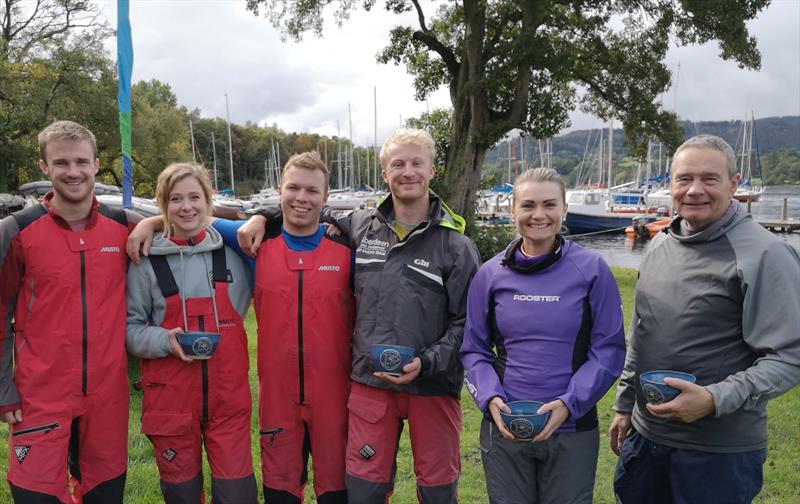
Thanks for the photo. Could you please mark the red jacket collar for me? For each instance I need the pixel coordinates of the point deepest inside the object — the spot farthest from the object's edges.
(61, 221)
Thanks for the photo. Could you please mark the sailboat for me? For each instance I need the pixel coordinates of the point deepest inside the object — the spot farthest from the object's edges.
(591, 210)
(749, 163)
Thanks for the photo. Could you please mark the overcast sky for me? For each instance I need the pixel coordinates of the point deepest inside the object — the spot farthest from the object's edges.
(207, 48)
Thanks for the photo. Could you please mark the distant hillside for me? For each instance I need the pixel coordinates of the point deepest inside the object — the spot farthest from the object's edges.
(778, 140)
(772, 133)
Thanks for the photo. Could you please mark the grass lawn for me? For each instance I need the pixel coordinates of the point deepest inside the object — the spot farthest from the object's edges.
(781, 471)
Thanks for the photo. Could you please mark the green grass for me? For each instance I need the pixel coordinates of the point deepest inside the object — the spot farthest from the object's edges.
(781, 471)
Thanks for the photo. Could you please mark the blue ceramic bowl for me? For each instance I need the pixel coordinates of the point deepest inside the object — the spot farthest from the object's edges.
(198, 345)
(523, 421)
(390, 359)
(654, 388)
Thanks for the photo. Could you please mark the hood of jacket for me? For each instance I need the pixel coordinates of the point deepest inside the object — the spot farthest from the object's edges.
(439, 213)
(731, 218)
(164, 246)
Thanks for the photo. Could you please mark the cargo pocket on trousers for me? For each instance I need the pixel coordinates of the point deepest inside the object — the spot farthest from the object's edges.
(278, 456)
(173, 437)
(159, 423)
(369, 410)
(365, 435)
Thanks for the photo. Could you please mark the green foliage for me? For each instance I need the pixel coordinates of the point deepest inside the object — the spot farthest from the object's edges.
(526, 65)
(781, 167)
(490, 240)
(52, 65)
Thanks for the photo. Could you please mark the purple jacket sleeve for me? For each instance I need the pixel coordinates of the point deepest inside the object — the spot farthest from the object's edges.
(606, 355)
(477, 354)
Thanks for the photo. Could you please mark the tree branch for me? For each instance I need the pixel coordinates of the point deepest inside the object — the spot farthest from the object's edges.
(435, 45)
(420, 15)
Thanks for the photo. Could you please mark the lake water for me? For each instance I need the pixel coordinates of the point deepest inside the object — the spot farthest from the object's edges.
(617, 252)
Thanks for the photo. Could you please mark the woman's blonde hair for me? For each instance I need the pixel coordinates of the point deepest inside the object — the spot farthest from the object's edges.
(170, 176)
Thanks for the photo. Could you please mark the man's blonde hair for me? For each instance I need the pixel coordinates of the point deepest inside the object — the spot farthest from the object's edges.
(65, 130)
(173, 174)
(407, 136)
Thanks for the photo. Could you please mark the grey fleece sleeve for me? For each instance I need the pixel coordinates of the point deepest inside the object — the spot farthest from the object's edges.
(770, 322)
(443, 355)
(143, 337)
(11, 273)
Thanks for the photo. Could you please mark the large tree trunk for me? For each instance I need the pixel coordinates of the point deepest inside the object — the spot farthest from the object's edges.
(463, 174)
(470, 116)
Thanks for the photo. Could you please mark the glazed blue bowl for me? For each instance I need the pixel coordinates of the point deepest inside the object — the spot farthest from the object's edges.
(198, 345)
(656, 391)
(523, 421)
(390, 359)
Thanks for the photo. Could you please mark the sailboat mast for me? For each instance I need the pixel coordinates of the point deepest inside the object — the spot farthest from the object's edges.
(230, 142)
(191, 135)
(600, 159)
(338, 155)
(214, 152)
(510, 180)
(353, 176)
(375, 135)
(610, 157)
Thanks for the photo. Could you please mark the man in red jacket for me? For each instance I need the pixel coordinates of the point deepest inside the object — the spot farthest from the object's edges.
(64, 390)
(305, 309)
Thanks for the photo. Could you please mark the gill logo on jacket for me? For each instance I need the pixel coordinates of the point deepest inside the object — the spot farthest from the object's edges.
(536, 298)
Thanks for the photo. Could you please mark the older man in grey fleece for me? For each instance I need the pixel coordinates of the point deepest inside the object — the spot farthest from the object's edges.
(719, 297)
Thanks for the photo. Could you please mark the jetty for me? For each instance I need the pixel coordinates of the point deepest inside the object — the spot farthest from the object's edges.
(782, 224)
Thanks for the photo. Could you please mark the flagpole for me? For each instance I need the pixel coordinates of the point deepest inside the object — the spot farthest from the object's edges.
(125, 68)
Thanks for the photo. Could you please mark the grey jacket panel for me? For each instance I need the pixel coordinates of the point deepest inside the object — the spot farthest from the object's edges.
(724, 305)
(191, 267)
(411, 292)
(9, 228)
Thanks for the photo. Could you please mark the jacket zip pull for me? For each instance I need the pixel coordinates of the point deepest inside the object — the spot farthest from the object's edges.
(272, 433)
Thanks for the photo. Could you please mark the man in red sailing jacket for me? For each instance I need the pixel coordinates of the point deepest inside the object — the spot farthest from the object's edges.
(64, 389)
(304, 305)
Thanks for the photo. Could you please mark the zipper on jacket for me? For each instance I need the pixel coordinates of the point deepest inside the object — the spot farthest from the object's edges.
(271, 433)
(204, 371)
(41, 428)
(300, 335)
(85, 339)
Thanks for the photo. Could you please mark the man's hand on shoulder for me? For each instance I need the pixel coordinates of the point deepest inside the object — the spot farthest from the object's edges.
(693, 403)
(142, 237)
(251, 233)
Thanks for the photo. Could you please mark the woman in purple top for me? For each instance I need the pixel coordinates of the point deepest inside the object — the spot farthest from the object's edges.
(544, 323)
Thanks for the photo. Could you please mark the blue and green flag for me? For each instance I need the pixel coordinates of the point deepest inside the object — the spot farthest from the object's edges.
(125, 67)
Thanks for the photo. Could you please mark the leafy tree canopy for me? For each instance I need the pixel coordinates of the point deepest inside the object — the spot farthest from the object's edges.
(523, 64)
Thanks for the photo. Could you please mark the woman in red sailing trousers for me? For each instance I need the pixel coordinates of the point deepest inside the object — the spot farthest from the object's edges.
(192, 282)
